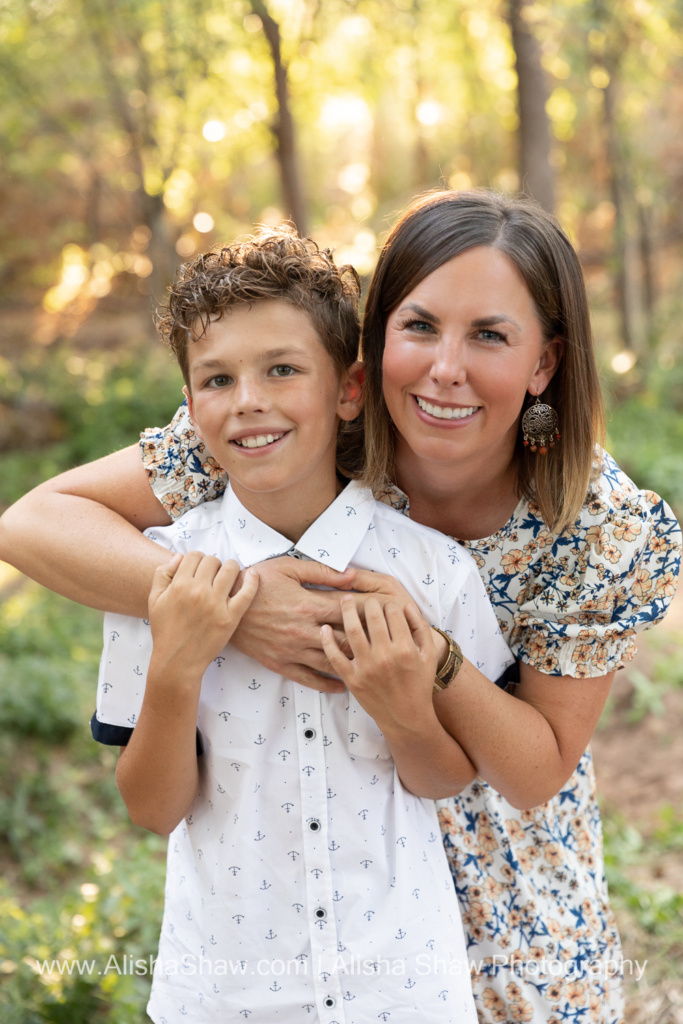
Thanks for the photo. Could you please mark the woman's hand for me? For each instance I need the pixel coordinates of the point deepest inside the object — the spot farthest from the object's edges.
(191, 612)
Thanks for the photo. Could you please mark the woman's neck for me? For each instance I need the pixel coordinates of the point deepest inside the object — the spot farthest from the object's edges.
(465, 501)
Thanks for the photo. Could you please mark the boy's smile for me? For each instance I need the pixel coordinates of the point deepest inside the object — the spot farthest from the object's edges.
(266, 397)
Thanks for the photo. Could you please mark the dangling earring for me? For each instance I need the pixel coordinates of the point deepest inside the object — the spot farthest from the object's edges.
(540, 427)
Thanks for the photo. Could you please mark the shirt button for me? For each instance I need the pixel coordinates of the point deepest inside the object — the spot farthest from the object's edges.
(328, 1002)
(314, 825)
(320, 913)
(309, 734)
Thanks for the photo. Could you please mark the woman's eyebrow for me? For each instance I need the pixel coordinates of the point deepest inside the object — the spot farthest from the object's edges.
(421, 311)
(489, 321)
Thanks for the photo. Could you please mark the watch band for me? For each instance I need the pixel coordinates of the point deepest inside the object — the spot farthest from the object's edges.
(449, 670)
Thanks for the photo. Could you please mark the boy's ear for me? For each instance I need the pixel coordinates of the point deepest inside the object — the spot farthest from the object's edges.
(351, 392)
(190, 406)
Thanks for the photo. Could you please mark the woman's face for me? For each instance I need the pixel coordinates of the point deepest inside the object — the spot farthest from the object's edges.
(462, 350)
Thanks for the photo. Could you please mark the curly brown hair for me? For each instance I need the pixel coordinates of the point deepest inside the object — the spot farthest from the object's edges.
(274, 263)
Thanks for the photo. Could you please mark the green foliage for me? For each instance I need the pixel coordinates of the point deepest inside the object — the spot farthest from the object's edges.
(83, 884)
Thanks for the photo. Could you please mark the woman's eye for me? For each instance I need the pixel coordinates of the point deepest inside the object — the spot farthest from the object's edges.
(492, 336)
(419, 326)
(283, 370)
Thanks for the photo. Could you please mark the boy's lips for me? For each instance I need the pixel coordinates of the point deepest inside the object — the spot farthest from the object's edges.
(260, 439)
(441, 411)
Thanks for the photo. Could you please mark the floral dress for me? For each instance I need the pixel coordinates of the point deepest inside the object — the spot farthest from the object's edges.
(541, 936)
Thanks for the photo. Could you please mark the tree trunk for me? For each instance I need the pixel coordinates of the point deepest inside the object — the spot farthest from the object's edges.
(283, 126)
(617, 193)
(536, 175)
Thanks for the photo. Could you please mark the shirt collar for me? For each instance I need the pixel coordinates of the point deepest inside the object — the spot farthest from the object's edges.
(332, 539)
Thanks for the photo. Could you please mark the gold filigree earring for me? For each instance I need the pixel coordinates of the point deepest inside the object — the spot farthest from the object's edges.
(540, 427)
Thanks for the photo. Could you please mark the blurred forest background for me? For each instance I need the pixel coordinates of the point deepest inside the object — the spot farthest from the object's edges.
(137, 133)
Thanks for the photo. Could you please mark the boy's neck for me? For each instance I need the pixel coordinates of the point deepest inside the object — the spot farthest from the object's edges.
(290, 511)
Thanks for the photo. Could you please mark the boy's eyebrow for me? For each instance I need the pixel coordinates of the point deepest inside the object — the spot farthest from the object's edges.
(273, 353)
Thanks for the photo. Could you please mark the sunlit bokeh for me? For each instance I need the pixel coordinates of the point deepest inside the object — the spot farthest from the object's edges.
(203, 222)
(624, 361)
(214, 131)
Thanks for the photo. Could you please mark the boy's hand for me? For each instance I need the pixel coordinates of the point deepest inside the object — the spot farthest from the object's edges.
(392, 670)
(191, 612)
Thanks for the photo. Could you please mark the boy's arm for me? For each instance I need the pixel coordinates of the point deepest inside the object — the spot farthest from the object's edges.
(392, 677)
(192, 617)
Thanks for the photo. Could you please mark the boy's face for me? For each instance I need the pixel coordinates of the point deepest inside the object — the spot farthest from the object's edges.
(266, 398)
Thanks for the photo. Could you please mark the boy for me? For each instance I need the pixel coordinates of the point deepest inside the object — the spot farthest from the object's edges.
(304, 882)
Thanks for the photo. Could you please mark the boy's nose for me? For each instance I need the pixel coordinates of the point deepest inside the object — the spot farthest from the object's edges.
(250, 396)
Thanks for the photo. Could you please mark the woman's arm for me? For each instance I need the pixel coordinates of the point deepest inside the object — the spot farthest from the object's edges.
(79, 534)
(527, 745)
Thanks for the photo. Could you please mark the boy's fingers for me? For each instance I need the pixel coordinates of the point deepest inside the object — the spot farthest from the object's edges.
(337, 660)
(247, 592)
(355, 634)
(224, 580)
(375, 621)
(163, 576)
(421, 630)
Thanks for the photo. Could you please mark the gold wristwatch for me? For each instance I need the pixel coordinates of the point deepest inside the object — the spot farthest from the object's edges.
(452, 665)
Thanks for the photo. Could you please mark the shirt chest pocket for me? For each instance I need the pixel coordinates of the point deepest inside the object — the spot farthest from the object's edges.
(364, 736)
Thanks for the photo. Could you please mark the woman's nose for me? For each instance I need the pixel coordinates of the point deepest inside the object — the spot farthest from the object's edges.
(448, 366)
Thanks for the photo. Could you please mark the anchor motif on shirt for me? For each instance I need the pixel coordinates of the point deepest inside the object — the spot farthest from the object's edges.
(242, 523)
(366, 864)
(298, 907)
(401, 841)
(428, 580)
(350, 510)
(443, 994)
(416, 893)
(283, 700)
(301, 957)
(259, 836)
(220, 788)
(271, 935)
(284, 754)
(106, 687)
(373, 782)
(308, 770)
(213, 940)
(336, 896)
(364, 813)
(253, 685)
(369, 914)
(410, 983)
(137, 671)
(353, 736)
(324, 975)
(114, 635)
(384, 1016)
(219, 660)
(236, 765)
(287, 807)
(330, 794)
(432, 838)
(308, 1007)
(259, 740)
(333, 846)
(265, 885)
(326, 742)
(316, 872)
(430, 944)
(322, 553)
(146, 621)
(383, 830)
(236, 917)
(454, 554)
(304, 716)
(275, 987)
(234, 869)
(400, 934)
(393, 552)
(293, 854)
(225, 715)
(183, 1010)
(245, 1013)
(133, 719)
(348, 997)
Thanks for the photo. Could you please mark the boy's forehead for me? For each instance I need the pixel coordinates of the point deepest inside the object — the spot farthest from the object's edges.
(254, 328)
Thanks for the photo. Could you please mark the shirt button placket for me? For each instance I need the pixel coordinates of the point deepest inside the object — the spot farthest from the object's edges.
(322, 926)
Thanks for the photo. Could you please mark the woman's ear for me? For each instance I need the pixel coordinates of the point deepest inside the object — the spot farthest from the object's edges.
(547, 365)
(190, 406)
(350, 400)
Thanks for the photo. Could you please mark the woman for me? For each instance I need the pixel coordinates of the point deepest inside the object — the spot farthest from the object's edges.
(477, 308)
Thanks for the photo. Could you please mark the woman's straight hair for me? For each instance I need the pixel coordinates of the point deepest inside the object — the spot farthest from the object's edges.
(440, 225)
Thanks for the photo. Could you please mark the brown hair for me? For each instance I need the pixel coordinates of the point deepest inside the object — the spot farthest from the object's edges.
(272, 264)
(435, 228)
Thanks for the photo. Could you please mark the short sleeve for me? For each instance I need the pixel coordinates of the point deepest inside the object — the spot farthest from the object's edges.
(591, 589)
(181, 471)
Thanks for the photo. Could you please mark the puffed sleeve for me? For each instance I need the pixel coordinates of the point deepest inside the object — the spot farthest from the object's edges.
(593, 587)
(181, 471)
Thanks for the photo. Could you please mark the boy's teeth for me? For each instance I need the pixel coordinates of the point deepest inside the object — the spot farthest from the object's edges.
(258, 440)
(445, 412)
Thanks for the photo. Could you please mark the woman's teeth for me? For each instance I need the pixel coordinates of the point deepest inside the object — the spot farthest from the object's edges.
(446, 412)
(258, 440)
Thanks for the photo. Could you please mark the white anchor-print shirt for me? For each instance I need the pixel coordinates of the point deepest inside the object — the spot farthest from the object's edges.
(306, 884)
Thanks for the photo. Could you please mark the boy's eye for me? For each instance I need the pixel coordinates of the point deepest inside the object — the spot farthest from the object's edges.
(283, 370)
(219, 381)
